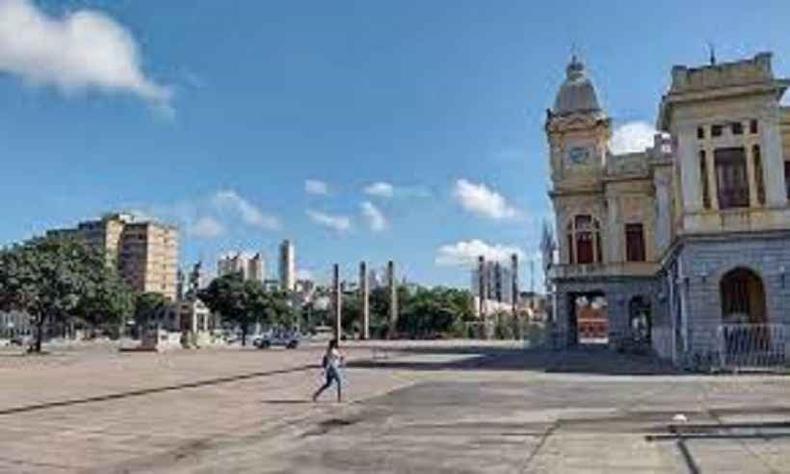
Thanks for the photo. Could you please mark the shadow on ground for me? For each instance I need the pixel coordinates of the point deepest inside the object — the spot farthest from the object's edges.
(587, 360)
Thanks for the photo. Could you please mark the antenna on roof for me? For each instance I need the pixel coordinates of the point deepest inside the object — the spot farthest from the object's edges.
(712, 52)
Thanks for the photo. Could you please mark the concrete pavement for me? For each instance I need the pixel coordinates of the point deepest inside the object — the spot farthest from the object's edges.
(412, 407)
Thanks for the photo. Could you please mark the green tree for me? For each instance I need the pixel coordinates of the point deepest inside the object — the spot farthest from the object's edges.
(52, 279)
(352, 313)
(149, 306)
(226, 295)
(380, 307)
(246, 302)
(433, 312)
(273, 307)
(108, 302)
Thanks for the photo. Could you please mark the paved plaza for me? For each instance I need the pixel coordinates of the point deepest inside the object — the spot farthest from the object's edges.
(411, 407)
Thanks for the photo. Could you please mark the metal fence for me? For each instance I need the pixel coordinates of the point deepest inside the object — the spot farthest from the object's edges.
(753, 346)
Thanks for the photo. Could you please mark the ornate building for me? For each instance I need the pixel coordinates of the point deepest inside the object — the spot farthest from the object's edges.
(673, 243)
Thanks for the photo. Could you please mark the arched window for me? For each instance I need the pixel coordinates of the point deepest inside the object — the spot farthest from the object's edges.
(584, 240)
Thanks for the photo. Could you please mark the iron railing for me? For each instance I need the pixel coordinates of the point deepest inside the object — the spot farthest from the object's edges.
(753, 346)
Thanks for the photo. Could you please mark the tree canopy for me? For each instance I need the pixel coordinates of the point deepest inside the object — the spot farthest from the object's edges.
(55, 279)
(149, 306)
(245, 302)
(434, 312)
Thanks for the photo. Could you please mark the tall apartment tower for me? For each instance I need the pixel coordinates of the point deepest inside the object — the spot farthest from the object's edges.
(287, 266)
(251, 267)
(144, 252)
(256, 268)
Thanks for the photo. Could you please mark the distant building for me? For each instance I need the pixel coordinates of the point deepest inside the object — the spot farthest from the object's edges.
(144, 252)
(305, 287)
(271, 284)
(287, 266)
(194, 316)
(534, 304)
(377, 278)
(14, 323)
(497, 282)
(251, 267)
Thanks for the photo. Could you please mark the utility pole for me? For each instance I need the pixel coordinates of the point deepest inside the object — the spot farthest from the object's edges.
(393, 287)
(514, 283)
(532, 283)
(481, 286)
(337, 296)
(365, 300)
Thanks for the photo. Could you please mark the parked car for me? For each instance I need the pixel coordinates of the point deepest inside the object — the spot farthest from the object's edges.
(287, 339)
(322, 333)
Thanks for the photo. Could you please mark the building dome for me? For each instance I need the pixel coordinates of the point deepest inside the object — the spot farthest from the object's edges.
(577, 93)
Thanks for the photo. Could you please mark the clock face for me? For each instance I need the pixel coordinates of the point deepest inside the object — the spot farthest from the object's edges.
(579, 155)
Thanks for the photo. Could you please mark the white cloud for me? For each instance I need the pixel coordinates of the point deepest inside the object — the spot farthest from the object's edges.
(335, 222)
(206, 227)
(465, 253)
(383, 189)
(479, 199)
(380, 189)
(317, 187)
(632, 137)
(140, 215)
(375, 218)
(84, 49)
(230, 200)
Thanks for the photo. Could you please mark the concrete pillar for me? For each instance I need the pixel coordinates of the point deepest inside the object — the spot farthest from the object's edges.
(687, 155)
(751, 175)
(772, 158)
(364, 300)
(710, 167)
(514, 283)
(393, 289)
(337, 297)
(481, 286)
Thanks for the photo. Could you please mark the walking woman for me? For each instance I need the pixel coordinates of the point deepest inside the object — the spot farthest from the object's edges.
(331, 363)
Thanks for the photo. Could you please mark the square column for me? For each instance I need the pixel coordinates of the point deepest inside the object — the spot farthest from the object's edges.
(365, 300)
(337, 297)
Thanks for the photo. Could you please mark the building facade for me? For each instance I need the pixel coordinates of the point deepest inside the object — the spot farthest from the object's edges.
(251, 267)
(15, 324)
(287, 266)
(144, 252)
(676, 242)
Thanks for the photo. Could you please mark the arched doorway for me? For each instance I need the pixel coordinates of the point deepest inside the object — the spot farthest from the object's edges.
(742, 297)
(746, 336)
(639, 320)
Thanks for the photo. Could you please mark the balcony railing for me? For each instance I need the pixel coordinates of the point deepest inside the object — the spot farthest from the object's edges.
(603, 269)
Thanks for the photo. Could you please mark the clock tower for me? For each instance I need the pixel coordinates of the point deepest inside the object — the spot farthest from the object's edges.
(578, 131)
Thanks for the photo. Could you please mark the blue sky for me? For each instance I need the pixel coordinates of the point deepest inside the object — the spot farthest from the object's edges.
(213, 115)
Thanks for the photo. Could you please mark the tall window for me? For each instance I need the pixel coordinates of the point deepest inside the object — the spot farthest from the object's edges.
(634, 243)
(758, 174)
(731, 177)
(787, 179)
(584, 240)
(703, 173)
